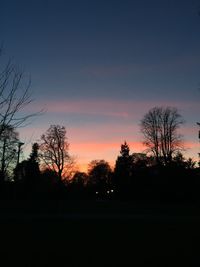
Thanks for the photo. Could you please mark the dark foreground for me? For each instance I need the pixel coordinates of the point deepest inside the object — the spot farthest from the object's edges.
(99, 234)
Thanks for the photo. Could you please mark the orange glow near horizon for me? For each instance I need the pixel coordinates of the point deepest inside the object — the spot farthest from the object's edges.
(87, 152)
(97, 128)
(110, 151)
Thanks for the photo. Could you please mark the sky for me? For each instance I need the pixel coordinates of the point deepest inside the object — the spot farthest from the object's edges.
(98, 66)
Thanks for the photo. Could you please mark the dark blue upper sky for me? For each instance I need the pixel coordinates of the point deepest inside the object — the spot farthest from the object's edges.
(130, 50)
(98, 47)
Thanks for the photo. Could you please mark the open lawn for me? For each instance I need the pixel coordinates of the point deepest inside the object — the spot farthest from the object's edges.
(100, 234)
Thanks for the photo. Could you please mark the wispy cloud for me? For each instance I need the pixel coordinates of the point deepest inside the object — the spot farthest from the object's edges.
(110, 108)
(89, 107)
(169, 64)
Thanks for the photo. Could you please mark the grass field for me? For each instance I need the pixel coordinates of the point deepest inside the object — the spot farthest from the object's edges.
(100, 234)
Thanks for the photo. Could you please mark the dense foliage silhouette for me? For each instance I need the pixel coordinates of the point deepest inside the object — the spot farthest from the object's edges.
(135, 177)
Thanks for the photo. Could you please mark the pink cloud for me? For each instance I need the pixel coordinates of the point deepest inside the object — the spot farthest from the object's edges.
(123, 109)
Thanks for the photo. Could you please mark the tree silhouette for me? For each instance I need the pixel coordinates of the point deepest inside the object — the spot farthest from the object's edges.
(34, 156)
(28, 170)
(33, 162)
(77, 186)
(14, 97)
(8, 151)
(198, 123)
(160, 129)
(181, 162)
(54, 149)
(80, 178)
(100, 175)
(123, 170)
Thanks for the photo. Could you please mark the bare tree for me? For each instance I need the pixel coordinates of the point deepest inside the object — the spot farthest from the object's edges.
(70, 169)
(54, 149)
(8, 151)
(14, 96)
(160, 129)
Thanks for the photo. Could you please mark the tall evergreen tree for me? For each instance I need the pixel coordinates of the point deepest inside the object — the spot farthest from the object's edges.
(28, 170)
(123, 170)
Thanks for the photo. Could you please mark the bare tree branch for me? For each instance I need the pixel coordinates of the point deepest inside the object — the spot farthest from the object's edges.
(159, 127)
(15, 96)
(54, 149)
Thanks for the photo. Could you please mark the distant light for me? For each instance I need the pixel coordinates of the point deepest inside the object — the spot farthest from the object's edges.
(108, 192)
(97, 192)
(112, 190)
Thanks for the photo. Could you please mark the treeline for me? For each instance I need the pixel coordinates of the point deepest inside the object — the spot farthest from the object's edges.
(161, 173)
(135, 177)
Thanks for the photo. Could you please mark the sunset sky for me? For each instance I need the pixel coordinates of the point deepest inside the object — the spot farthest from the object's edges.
(98, 66)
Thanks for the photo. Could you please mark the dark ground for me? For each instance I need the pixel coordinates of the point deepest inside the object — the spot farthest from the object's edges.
(99, 234)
